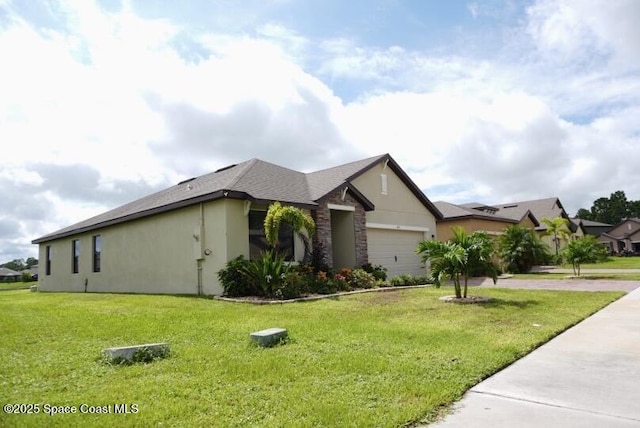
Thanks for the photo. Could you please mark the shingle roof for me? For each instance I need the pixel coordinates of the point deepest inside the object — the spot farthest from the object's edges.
(255, 180)
(451, 212)
(327, 180)
(8, 272)
(589, 223)
(549, 207)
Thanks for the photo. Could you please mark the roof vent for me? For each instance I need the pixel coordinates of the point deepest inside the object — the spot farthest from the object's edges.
(510, 206)
(226, 168)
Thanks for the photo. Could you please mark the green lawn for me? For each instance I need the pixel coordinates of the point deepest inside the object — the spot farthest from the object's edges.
(377, 359)
(615, 263)
(16, 285)
(611, 276)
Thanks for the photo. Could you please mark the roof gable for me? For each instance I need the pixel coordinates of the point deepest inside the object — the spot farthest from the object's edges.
(627, 227)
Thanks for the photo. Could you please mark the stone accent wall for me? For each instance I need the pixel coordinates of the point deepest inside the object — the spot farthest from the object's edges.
(322, 217)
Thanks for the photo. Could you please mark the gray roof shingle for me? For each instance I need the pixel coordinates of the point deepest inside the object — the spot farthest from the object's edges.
(451, 211)
(255, 180)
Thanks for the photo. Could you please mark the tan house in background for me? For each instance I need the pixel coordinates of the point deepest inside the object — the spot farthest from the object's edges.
(475, 217)
(493, 219)
(177, 240)
(541, 208)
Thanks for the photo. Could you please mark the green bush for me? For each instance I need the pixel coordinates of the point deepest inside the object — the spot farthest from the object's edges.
(267, 273)
(379, 272)
(233, 278)
(322, 283)
(410, 280)
(361, 279)
(294, 284)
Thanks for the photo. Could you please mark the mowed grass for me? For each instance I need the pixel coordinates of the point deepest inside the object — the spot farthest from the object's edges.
(16, 285)
(614, 263)
(377, 359)
(568, 276)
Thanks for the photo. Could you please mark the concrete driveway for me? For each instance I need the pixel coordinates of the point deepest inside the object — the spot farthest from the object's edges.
(589, 376)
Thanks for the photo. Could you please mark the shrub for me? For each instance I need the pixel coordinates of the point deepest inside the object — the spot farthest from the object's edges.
(322, 284)
(422, 280)
(361, 279)
(233, 278)
(410, 280)
(379, 272)
(520, 248)
(294, 284)
(402, 280)
(267, 273)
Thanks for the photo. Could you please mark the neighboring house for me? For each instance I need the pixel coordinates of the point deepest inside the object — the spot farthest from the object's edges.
(177, 240)
(623, 238)
(477, 217)
(541, 208)
(590, 227)
(9, 275)
(33, 270)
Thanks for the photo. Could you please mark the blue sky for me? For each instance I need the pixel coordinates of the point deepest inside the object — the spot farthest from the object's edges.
(105, 101)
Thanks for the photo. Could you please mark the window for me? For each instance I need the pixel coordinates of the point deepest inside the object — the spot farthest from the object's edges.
(48, 260)
(258, 241)
(97, 252)
(75, 250)
(383, 183)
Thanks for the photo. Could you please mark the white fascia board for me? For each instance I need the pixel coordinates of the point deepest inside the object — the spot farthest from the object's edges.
(341, 207)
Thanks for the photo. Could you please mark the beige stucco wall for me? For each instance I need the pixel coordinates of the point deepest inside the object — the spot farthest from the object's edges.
(471, 225)
(399, 207)
(157, 254)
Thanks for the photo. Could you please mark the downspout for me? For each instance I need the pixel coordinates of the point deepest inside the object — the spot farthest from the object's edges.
(199, 261)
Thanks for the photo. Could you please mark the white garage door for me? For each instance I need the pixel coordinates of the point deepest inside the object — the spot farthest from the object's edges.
(395, 250)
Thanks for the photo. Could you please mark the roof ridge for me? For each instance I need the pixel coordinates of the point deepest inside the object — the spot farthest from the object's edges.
(247, 167)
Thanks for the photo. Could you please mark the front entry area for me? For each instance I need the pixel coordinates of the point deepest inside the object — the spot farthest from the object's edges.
(343, 239)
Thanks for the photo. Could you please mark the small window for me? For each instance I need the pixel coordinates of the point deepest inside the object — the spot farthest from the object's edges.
(75, 250)
(97, 252)
(48, 260)
(258, 241)
(383, 183)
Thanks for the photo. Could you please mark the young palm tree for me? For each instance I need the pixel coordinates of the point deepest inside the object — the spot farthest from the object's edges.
(446, 260)
(520, 248)
(459, 257)
(558, 228)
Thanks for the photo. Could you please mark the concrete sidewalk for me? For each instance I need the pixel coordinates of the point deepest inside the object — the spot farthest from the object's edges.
(589, 376)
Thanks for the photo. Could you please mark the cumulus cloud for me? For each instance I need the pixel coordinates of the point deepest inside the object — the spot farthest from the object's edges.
(580, 28)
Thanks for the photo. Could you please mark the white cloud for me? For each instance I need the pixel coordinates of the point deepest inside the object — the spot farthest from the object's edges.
(106, 107)
(580, 28)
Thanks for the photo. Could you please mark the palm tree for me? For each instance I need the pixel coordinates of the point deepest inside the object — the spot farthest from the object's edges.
(558, 228)
(520, 248)
(446, 261)
(295, 217)
(459, 257)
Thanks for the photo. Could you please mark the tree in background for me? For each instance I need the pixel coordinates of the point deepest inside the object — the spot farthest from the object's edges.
(20, 264)
(520, 248)
(459, 257)
(558, 228)
(611, 210)
(584, 250)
